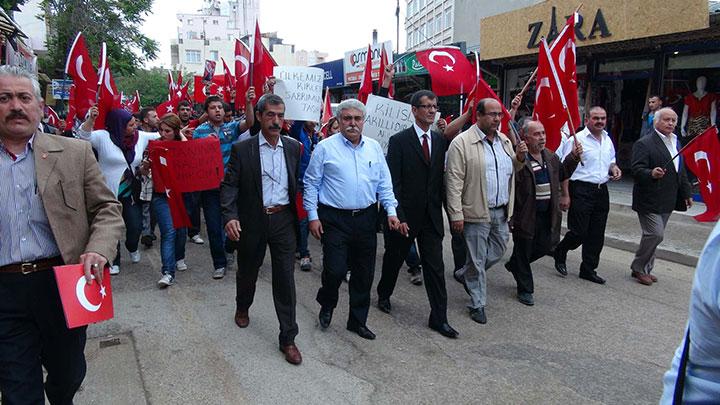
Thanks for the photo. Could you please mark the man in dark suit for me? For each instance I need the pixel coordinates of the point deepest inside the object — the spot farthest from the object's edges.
(416, 158)
(258, 206)
(660, 187)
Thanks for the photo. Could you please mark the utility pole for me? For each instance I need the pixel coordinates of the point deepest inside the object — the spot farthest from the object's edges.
(397, 27)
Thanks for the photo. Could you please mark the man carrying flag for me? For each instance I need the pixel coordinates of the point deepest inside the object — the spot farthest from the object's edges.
(661, 186)
(33, 331)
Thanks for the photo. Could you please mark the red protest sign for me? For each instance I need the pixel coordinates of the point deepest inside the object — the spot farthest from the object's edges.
(83, 303)
(195, 165)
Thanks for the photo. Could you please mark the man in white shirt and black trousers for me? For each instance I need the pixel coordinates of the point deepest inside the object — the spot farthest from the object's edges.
(589, 199)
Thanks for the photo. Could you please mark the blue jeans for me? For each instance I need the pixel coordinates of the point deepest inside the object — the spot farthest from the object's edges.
(413, 260)
(132, 216)
(209, 200)
(304, 230)
(172, 241)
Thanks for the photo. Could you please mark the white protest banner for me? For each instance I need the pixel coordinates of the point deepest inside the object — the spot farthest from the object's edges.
(385, 117)
(301, 90)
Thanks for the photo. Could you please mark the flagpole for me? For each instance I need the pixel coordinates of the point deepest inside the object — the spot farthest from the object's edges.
(688, 144)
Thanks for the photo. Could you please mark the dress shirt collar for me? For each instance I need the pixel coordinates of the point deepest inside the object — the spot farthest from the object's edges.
(28, 147)
(603, 136)
(350, 144)
(264, 141)
(671, 138)
(420, 132)
(481, 135)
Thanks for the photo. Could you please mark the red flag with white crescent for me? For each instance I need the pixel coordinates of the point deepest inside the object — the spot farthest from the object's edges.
(262, 63)
(53, 118)
(108, 96)
(366, 87)
(549, 106)
(80, 68)
(83, 303)
(72, 111)
(242, 68)
(450, 71)
(702, 157)
(384, 62)
(563, 55)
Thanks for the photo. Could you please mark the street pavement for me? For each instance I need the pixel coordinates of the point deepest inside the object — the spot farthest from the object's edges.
(581, 343)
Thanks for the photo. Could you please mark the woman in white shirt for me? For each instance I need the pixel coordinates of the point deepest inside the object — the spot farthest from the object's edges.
(120, 148)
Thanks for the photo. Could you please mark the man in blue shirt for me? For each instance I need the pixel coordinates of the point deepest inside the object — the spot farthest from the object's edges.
(228, 133)
(346, 176)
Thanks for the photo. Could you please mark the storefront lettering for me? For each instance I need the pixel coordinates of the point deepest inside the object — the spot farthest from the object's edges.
(599, 26)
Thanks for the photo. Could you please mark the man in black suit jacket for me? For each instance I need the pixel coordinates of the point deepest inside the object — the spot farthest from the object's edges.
(258, 206)
(416, 158)
(660, 187)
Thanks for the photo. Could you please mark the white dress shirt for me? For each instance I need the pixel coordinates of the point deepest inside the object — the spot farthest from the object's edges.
(420, 134)
(597, 156)
(671, 145)
(274, 173)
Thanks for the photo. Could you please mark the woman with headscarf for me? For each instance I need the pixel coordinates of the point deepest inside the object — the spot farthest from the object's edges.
(120, 148)
(172, 241)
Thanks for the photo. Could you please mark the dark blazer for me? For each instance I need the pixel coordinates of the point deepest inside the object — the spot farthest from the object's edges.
(658, 196)
(418, 186)
(523, 219)
(241, 190)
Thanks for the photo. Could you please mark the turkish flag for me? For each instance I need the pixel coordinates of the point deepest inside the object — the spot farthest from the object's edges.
(242, 68)
(162, 167)
(702, 157)
(548, 103)
(327, 108)
(72, 112)
(483, 90)
(384, 62)
(562, 52)
(53, 118)
(229, 82)
(261, 62)
(199, 90)
(83, 303)
(171, 84)
(366, 87)
(134, 104)
(80, 68)
(450, 71)
(168, 107)
(108, 95)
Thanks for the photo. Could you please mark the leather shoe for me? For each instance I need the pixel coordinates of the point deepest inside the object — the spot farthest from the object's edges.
(292, 354)
(242, 320)
(526, 298)
(325, 317)
(561, 267)
(461, 279)
(641, 278)
(445, 330)
(653, 278)
(384, 305)
(478, 315)
(362, 331)
(592, 277)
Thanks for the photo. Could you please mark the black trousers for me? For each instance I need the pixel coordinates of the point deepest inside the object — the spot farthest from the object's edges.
(526, 251)
(397, 247)
(348, 241)
(33, 334)
(279, 233)
(587, 217)
(457, 244)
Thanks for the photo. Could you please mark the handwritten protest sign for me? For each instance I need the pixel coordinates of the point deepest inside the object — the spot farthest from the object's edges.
(385, 117)
(301, 89)
(195, 165)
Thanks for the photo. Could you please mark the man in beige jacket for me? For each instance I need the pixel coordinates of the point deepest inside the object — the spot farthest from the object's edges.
(480, 193)
(56, 209)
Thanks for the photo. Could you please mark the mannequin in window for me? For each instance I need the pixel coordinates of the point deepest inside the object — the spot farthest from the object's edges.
(699, 111)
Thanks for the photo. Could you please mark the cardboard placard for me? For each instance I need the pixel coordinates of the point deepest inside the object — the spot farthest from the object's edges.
(196, 165)
(385, 117)
(301, 89)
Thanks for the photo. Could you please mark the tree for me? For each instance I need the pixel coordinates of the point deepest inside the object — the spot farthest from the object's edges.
(152, 85)
(115, 22)
(11, 5)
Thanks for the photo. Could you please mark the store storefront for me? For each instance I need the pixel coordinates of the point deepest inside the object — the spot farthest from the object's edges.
(627, 50)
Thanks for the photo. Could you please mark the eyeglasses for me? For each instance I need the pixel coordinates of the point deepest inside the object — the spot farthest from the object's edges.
(494, 114)
(427, 106)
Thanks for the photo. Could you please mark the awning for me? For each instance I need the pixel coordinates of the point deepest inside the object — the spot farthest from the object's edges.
(8, 27)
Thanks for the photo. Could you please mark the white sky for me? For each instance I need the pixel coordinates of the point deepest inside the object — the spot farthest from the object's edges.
(332, 26)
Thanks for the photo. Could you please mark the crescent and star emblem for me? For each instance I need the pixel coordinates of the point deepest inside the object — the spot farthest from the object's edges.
(246, 65)
(447, 67)
(702, 155)
(82, 298)
(78, 67)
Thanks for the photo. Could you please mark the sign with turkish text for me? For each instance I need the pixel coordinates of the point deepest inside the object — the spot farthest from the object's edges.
(301, 89)
(61, 89)
(83, 303)
(195, 165)
(408, 65)
(354, 62)
(385, 117)
(333, 73)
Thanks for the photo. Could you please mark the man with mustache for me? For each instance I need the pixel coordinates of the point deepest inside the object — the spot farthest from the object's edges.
(536, 219)
(56, 209)
(346, 176)
(258, 205)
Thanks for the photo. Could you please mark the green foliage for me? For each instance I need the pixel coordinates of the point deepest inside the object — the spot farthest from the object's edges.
(152, 85)
(8, 4)
(115, 22)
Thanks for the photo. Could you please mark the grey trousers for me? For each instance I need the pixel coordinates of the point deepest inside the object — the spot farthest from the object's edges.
(486, 243)
(653, 228)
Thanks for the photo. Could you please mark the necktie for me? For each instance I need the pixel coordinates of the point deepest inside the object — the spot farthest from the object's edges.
(426, 148)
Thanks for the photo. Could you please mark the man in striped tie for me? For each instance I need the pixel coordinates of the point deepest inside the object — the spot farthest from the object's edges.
(536, 219)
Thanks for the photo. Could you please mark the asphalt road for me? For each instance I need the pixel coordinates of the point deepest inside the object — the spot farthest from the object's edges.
(580, 343)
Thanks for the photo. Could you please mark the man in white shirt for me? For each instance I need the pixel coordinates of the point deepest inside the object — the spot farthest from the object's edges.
(589, 199)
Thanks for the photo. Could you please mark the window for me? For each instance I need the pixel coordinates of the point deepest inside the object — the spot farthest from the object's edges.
(214, 55)
(215, 22)
(217, 38)
(189, 21)
(230, 37)
(417, 37)
(422, 4)
(438, 24)
(409, 40)
(448, 18)
(410, 8)
(192, 56)
(192, 35)
(429, 26)
(421, 33)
